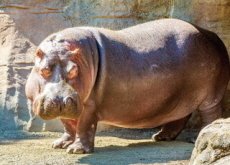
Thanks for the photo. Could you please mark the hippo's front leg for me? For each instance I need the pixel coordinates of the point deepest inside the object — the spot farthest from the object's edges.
(69, 136)
(85, 133)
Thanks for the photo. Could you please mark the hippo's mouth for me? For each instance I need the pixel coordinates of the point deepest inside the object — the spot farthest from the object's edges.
(48, 109)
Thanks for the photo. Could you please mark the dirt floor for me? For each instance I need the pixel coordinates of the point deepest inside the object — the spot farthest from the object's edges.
(112, 147)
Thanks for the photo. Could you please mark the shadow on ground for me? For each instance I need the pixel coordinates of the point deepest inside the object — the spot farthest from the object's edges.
(140, 153)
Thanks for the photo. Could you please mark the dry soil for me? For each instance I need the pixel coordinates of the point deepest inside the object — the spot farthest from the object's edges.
(112, 147)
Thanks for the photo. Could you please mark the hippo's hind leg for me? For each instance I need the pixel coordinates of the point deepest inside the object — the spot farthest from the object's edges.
(209, 112)
(69, 135)
(171, 130)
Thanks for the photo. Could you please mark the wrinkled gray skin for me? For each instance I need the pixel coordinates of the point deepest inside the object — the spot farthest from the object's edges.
(152, 74)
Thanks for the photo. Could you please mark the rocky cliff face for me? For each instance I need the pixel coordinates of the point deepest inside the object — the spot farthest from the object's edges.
(24, 24)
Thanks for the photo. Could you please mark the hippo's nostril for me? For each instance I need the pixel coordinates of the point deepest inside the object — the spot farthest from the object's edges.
(68, 100)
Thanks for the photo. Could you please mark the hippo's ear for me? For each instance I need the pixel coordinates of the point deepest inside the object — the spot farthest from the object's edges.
(39, 53)
(75, 53)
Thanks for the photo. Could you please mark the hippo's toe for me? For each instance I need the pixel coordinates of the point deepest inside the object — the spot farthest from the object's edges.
(164, 136)
(63, 142)
(75, 148)
(59, 143)
(78, 148)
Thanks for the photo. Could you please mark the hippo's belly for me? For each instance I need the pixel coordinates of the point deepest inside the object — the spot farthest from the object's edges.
(141, 105)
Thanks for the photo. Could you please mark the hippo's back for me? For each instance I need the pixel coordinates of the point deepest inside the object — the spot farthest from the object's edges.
(162, 48)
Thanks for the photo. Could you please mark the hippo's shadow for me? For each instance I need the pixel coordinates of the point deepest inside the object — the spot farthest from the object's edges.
(138, 134)
(139, 153)
(128, 133)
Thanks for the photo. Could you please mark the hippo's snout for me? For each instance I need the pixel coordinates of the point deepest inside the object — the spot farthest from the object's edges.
(60, 102)
(51, 104)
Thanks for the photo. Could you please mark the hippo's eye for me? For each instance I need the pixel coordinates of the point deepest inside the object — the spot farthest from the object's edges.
(72, 73)
(45, 72)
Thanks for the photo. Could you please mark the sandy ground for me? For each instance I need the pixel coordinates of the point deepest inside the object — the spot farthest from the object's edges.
(112, 147)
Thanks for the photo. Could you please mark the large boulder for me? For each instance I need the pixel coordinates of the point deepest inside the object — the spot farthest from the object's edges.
(213, 145)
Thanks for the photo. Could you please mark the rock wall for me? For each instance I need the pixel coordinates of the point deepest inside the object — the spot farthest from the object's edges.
(25, 23)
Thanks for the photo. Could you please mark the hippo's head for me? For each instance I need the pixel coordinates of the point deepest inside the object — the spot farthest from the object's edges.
(62, 76)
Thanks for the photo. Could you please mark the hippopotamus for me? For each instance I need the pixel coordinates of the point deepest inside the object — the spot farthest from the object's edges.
(149, 75)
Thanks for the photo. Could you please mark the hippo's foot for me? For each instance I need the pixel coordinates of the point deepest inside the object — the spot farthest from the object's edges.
(64, 141)
(78, 148)
(163, 135)
(171, 130)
